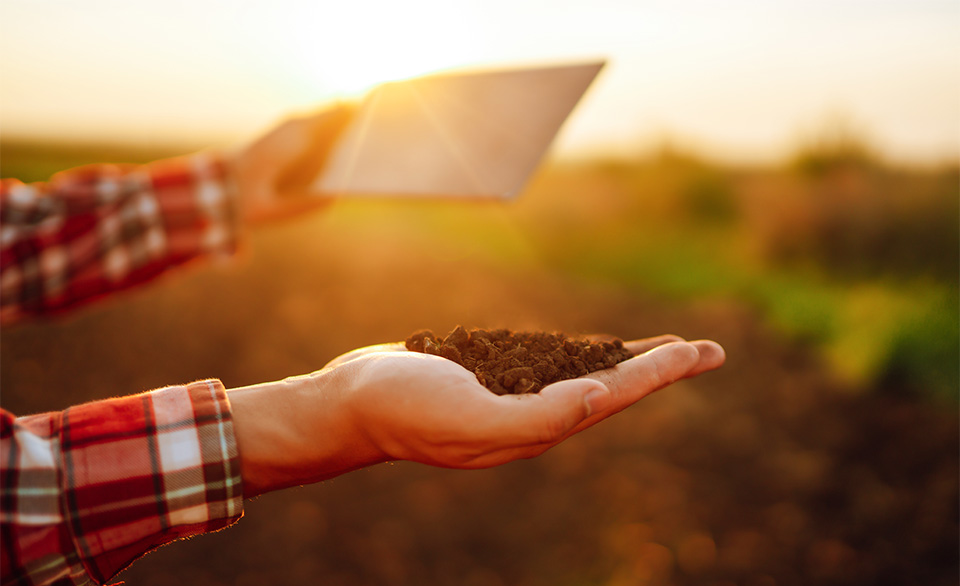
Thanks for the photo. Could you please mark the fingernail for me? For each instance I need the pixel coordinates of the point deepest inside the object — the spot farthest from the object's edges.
(597, 400)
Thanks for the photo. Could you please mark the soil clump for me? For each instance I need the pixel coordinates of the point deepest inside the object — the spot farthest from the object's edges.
(508, 362)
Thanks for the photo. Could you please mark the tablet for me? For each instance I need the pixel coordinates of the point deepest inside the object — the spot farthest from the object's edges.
(477, 134)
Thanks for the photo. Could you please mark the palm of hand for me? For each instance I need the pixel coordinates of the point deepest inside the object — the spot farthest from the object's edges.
(424, 408)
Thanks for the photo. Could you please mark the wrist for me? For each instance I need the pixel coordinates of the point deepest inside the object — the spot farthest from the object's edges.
(297, 431)
(238, 181)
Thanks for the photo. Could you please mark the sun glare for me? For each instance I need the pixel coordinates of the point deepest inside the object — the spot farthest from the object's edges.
(735, 77)
(398, 41)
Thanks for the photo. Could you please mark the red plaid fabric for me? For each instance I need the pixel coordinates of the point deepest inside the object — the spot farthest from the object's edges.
(88, 490)
(98, 229)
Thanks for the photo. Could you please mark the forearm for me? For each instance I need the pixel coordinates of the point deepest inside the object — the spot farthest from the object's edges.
(99, 229)
(298, 431)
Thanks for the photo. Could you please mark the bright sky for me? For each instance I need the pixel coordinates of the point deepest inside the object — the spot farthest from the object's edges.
(739, 79)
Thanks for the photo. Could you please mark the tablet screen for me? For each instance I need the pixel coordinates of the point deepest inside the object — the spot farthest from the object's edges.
(477, 134)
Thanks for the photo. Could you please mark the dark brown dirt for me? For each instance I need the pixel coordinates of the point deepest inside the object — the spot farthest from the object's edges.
(514, 363)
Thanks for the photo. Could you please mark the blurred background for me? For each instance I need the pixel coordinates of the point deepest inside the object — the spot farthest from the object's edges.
(780, 176)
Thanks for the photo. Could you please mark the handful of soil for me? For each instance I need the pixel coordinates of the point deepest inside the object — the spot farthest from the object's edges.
(508, 362)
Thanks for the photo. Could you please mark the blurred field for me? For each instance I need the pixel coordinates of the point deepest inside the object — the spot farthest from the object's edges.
(825, 451)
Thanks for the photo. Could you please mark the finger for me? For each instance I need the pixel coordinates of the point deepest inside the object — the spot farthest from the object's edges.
(624, 385)
(311, 140)
(647, 344)
(566, 407)
(712, 357)
(544, 417)
(637, 346)
(641, 375)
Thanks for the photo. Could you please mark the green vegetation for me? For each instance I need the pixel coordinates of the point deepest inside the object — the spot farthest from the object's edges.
(861, 262)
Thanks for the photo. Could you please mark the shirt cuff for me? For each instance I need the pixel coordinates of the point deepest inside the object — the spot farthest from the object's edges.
(144, 470)
(198, 203)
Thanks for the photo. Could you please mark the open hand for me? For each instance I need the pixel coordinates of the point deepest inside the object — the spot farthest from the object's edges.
(428, 409)
(384, 403)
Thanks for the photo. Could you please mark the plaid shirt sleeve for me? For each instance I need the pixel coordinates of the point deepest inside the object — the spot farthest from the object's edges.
(98, 229)
(88, 490)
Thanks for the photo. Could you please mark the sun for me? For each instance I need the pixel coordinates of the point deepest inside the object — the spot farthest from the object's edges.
(365, 44)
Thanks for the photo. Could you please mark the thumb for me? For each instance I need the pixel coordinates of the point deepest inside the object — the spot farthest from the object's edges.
(565, 404)
(310, 143)
(589, 395)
